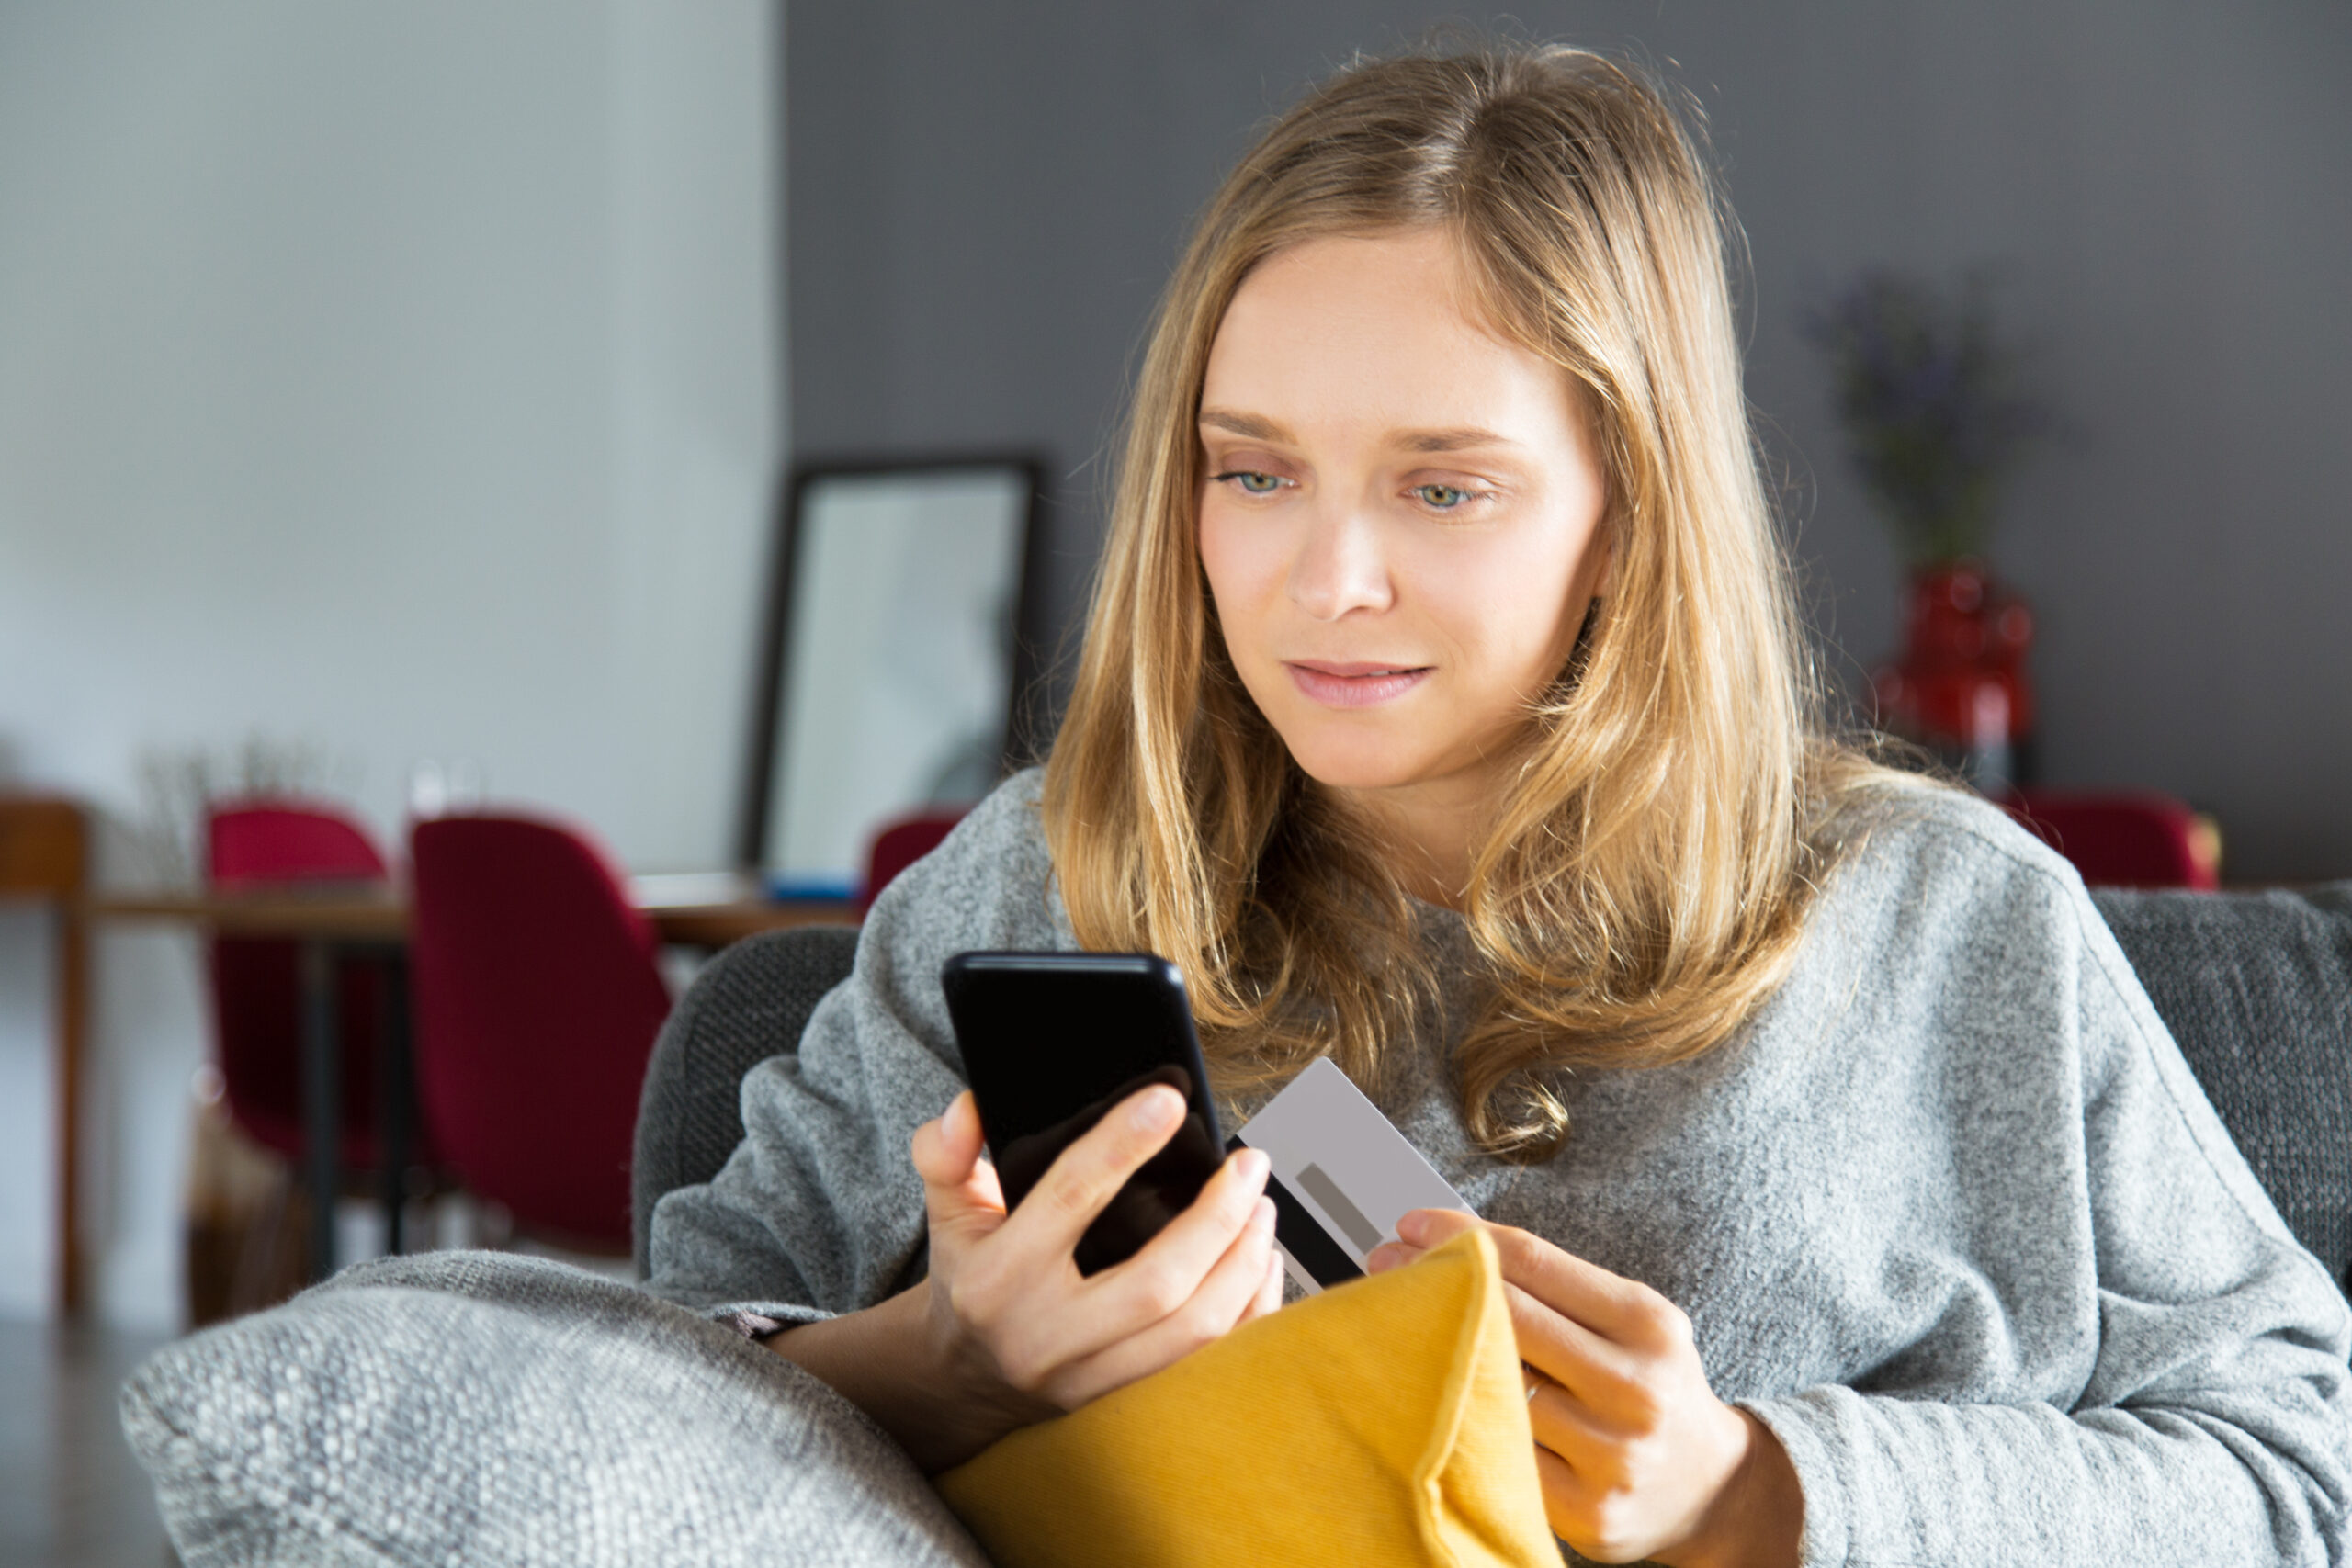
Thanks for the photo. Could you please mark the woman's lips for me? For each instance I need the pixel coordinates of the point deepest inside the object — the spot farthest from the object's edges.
(1357, 685)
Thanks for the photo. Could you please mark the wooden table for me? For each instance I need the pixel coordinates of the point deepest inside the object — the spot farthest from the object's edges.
(698, 909)
(45, 854)
(331, 922)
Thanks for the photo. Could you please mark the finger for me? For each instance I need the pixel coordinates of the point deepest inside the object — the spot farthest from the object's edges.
(1226, 1293)
(1602, 1516)
(962, 1123)
(1568, 1504)
(1549, 1340)
(999, 1283)
(958, 1185)
(944, 1148)
(959, 1125)
(1564, 1426)
(1622, 1309)
(1169, 1268)
(1391, 1255)
(1086, 1176)
(1230, 1288)
(1593, 1514)
(1270, 1294)
(1593, 1369)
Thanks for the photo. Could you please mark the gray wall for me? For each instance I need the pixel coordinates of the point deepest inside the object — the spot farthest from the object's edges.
(983, 201)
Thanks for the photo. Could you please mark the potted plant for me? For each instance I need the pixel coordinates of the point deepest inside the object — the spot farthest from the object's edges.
(1935, 423)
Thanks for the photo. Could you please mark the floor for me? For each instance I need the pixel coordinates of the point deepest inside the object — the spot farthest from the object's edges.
(70, 1493)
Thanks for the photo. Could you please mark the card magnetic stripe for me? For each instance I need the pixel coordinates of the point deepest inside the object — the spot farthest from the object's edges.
(1302, 1236)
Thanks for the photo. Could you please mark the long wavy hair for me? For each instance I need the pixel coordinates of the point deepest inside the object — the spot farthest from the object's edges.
(1644, 882)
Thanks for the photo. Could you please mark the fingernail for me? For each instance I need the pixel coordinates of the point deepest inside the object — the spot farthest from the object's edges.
(1252, 1167)
(1411, 1227)
(1158, 1106)
(1261, 1216)
(1383, 1256)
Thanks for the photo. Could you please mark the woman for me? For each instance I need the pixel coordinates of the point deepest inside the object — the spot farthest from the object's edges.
(1441, 711)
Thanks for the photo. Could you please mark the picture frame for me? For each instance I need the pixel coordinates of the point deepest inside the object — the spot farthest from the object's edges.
(895, 659)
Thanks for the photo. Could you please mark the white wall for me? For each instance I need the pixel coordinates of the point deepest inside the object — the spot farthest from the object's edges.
(399, 380)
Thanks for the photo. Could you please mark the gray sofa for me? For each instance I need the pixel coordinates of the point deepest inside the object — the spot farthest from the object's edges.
(2257, 987)
(490, 1408)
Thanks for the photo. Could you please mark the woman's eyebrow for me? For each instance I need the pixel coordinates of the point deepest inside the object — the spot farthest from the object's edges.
(1248, 426)
(1257, 427)
(1450, 440)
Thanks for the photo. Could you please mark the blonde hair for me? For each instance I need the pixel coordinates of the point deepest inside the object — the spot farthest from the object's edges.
(1643, 883)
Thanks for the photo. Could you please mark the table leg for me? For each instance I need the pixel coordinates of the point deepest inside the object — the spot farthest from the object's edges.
(395, 1100)
(73, 1031)
(322, 1097)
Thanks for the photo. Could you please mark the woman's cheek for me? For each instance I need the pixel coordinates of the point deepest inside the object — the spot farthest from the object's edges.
(1510, 613)
(1237, 561)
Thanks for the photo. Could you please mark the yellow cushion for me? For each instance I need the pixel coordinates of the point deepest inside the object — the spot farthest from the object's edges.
(1380, 1422)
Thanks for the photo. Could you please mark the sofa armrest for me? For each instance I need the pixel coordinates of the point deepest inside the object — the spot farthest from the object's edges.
(2256, 989)
(749, 1003)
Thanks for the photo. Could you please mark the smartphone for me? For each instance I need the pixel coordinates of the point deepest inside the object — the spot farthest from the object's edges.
(1051, 1043)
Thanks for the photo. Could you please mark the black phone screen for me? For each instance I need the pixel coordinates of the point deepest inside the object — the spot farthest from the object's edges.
(1051, 1043)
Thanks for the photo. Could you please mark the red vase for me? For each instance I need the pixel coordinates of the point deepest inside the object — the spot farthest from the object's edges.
(1961, 687)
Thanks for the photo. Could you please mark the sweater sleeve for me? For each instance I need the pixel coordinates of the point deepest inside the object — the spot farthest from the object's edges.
(818, 1210)
(2212, 1427)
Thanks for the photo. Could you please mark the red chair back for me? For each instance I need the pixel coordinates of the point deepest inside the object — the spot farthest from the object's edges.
(537, 1000)
(2123, 841)
(257, 841)
(902, 843)
(256, 993)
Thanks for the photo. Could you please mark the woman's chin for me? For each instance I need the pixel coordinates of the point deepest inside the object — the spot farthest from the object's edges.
(1356, 766)
(1390, 759)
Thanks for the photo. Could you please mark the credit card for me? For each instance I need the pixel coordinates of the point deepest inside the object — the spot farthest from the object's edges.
(1342, 1176)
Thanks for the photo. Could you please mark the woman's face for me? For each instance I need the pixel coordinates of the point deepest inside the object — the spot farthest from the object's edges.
(1400, 521)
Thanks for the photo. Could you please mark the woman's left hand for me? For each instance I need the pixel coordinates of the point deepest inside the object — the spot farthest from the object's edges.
(1637, 1456)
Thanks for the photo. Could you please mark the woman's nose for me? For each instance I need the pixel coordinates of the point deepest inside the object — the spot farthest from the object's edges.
(1340, 565)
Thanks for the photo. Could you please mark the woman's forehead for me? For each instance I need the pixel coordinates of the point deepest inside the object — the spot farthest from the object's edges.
(1377, 333)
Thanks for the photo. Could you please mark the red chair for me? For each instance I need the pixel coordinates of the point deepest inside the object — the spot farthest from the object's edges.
(256, 995)
(902, 843)
(537, 1000)
(2124, 839)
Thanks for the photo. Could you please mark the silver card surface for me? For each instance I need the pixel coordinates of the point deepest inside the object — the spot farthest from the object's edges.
(1342, 1171)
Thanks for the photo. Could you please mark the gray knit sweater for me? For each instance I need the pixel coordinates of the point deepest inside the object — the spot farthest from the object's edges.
(1949, 1214)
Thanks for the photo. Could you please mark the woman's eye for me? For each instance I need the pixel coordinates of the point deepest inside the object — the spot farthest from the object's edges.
(1443, 498)
(1251, 481)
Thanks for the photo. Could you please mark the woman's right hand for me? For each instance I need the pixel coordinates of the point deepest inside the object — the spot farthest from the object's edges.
(1005, 1331)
